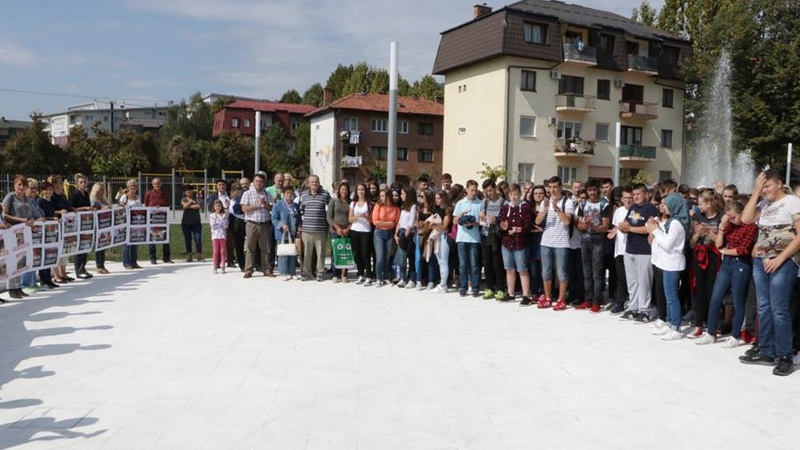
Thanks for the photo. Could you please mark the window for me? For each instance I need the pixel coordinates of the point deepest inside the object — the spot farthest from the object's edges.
(379, 153)
(234, 123)
(424, 155)
(567, 174)
(668, 98)
(294, 125)
(664, 175)
(601, 132)
(378, 125)
(570, 85)
(534, 33)
(350, 150)
(246, 123)
(105, 118)
(88, 118)
(630, 136)
(402, 154)
(528, 81)
(569, 130)
(402, 127)
(350, 124)
(631, 48)
(524, 172)
(425, 129)
(604, 89)
(672, 55)
(666, 138)
(607, 44)
(527, 126)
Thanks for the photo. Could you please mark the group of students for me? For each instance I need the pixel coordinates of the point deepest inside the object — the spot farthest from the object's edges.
(723, 262)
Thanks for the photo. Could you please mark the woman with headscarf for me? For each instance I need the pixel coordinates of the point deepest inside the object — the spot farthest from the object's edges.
(667, 254)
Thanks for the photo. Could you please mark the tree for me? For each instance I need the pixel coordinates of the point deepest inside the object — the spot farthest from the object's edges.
(291, 96)
(428, 88)
(314, 95)
(338, 79)
(179, 152)
(645, 14)
(191, 121)
(31, 151)
(492, 173)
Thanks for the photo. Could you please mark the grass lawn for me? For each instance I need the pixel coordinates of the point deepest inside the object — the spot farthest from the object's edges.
(176, 245)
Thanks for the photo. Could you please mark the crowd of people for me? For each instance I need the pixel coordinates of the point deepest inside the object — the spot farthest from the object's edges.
(722, 262)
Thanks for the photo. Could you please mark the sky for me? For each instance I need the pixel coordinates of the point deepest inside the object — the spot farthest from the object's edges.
(55, 54)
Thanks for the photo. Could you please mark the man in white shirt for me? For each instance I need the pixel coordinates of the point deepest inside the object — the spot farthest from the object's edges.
(557, 212)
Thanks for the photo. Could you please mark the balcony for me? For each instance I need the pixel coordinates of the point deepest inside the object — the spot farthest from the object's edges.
(636, 153)
(575, 103)
(574, 147)
(638, 111)
(644, 64)
(351, 162)
(580, 54)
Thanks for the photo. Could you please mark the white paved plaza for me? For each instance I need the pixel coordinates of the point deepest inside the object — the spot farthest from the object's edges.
(173, 357)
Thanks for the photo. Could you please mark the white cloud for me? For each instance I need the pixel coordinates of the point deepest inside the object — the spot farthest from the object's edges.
(14, 55)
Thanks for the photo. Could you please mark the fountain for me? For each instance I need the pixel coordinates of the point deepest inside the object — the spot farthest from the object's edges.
(712, 158)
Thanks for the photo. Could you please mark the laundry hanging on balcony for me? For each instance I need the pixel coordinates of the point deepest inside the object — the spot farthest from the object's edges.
(355, 137)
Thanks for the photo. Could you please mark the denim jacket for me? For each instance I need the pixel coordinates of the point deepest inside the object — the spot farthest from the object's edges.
(288, 214)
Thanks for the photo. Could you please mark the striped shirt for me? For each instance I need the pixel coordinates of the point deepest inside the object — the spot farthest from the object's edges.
(312, 211)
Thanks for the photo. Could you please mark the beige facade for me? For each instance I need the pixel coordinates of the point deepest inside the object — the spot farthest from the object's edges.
(486, 107)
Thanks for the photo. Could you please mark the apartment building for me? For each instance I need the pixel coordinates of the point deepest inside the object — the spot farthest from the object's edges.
(349, 138)
(106, 116)
(547, 88)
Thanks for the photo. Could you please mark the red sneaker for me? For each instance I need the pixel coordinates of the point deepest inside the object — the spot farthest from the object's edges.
(560, 306)
(748, 338)
(584, 305)
(543, 303)
(698, 331)
(595, 308)
(541, 298)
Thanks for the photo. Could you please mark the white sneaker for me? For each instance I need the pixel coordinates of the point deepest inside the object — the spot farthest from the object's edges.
(216, 271)
(421, 287)
(411, 285)
(440, 290)
(661, 331)
(360, 280)
(367, 282)
(431, 286)
(731, 342)
(401, 284)
(658, 324)
(672, 335)
(705, 339)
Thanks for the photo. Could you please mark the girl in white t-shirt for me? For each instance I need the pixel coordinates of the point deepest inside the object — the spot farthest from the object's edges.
(361, 234)
(218, 220)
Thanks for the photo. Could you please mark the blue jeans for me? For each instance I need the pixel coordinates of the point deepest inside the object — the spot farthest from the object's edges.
(468, 265)
(195, 231)
(286, 264)
(774, 292)
(734, 274)
(671, 282)
(515, 260)
(405, 256)
(130, 255)
(535, 269)
(28, 279)
(383, 240)
(555, 258)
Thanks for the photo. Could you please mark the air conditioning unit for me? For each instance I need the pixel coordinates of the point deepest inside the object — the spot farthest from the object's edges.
(619, 82)
(554, 74)
(552, 121)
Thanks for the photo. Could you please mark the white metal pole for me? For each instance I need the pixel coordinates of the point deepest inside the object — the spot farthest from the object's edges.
(391, 157)
(617, 142)
(258, 141)
(789, 165)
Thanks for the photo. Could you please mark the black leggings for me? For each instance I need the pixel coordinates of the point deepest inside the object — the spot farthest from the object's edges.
(362, 251)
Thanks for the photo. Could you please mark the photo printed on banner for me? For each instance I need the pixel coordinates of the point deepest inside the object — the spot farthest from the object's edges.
(120, 215)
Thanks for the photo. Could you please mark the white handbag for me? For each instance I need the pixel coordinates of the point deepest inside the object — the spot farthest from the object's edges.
(286, 247)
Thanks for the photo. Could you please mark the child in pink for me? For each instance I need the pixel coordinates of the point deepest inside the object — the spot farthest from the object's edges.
(219, 222)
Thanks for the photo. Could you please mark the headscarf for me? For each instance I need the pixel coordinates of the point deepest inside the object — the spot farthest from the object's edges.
(677, 211)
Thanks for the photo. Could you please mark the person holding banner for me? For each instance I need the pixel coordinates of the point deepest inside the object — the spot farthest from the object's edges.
(130, 253)
(99, 202)
(60, 205)
(79, 200)
(17, 209)
(158, 197)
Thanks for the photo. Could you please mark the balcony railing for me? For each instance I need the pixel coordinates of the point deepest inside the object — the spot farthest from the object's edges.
(575, 102)
(574, 147)
(638, 110)
(351, 161)
(637, 152)
(642, 63)
(582, 54)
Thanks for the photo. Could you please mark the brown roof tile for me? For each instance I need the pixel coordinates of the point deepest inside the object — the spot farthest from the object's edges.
(271, 106)
(380, 103)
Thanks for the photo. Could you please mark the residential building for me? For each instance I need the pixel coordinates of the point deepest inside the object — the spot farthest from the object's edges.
(349, 138)
(240, 116)
(105, 116)
(10, 128)
(547, 88)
